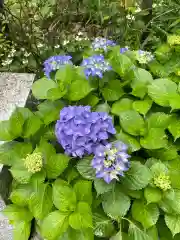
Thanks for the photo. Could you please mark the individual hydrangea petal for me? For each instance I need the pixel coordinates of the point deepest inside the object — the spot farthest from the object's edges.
(95, 66)
(33, 162)
(56, 62)
(102, 44)
(124, 49)
(80, 131)
(144, 57)
(110, 161)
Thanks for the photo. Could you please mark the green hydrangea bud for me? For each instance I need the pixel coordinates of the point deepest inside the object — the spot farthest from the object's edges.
(162, 181)
(174, 40)
(143, 57)
(33, 162)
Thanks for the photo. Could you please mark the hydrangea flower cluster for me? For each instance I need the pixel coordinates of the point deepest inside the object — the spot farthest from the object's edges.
(110, 161)
(102, 44)
(95, 66)
(124, 49)
(33, 162)
(144, 57)
(56, 62)
(80, 131)
(162, 181)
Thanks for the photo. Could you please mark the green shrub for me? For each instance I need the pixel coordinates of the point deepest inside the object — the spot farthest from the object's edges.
(61, 194)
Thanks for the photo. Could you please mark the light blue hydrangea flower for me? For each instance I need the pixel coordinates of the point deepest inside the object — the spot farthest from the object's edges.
(124, 49)
(56, 62)
(95, 66)
(111, 161)
(102, 44)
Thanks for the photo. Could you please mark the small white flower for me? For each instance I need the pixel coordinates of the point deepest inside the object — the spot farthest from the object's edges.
(57, 46)
(138, 9)
(40, 45)
(24, 61)
(65, 42)
(26, 54)
(130, 17)
(23, 49)
(80, 33)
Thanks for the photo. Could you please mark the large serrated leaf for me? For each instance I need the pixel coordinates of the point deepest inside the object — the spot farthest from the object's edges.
(147, 215)
(137, 177)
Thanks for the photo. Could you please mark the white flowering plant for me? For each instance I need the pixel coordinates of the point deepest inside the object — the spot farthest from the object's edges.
(98, 158)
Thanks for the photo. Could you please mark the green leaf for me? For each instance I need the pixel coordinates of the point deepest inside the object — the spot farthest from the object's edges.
(85, 169)
(132, 142)
(152, 195)
(132, 122)
(142, 106)
(112, 91)
(117, 204)
(65, 74)
(56, 93)
(140, 81)
(170, 202)
(120, 236)
(161, 90)
(16, 122)
(121, 105)
(135, 233)
(83, 190)
(119, 62)
(102, 187)
(49, 111)
(103, 107)
(41, 87)
(78, 90)
(40, 202)
(159, 120)
(82, 217)
(46, 149)
(174, 102)
(64, 197)
(147, 215)
(174, 173)
(21, 175)
(5, 131)
(82, 234)
(103, 226)
(20, 196)
(173, 223)
(168, 153)
(138, 177)
(90, 100)
(56, 164)
(31, 126)
(155, 139)
(16, 213)
(174, 128)
(21, 230)
(71, 174)
(54, 225)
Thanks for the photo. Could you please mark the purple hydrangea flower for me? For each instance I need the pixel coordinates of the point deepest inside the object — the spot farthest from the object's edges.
(95, 66)
(56, 62)
(102, 43)
(124, 49)
(79, 130)
(110, 161)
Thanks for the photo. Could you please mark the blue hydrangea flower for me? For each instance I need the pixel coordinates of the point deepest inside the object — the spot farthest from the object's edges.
(144, 57)
(79, 130)
(102, 44)
(56, 62)
(124, 49)
(95, 66)
(111, 161)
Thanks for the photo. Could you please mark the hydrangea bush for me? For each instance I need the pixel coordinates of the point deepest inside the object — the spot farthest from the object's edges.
(99, 157)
